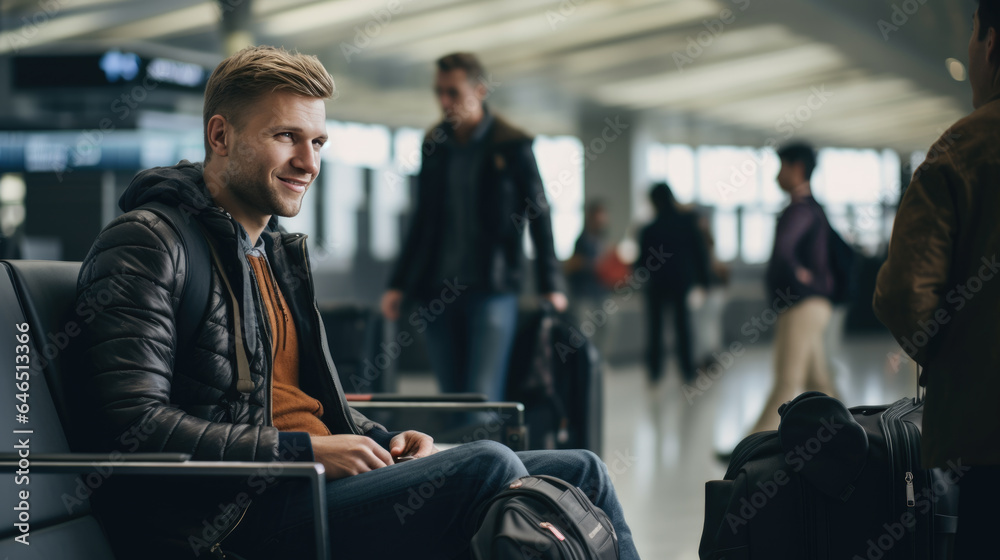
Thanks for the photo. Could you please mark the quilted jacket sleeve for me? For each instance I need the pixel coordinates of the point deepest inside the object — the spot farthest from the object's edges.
(133, 278)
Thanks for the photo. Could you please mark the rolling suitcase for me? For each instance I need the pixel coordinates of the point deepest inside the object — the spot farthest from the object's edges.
(556, 372)
(833, 483)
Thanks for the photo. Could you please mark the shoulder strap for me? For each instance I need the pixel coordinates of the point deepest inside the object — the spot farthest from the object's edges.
(200, 256)
(194, 296)
(244, 383)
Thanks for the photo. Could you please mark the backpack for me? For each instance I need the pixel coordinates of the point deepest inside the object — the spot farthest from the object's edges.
(194, 296)
(843, 264)
(545, 518)
(833, 482)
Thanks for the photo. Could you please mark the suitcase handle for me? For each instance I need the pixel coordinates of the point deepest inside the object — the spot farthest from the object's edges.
(921, 391)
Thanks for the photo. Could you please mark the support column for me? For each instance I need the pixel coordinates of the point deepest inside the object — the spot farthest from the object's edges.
(614, 163)
(237, 16)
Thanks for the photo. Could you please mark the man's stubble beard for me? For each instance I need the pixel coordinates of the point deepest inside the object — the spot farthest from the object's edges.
(251, 182)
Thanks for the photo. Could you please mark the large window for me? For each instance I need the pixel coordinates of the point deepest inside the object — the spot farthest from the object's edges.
(390, 193)
(560, 163)
(330, 216)
(367, 171)
(737, 186)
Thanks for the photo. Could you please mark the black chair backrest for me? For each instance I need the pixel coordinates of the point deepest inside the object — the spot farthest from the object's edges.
(41, 295)
(47, 294)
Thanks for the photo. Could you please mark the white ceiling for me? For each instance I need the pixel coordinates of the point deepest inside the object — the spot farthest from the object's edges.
(806, 68)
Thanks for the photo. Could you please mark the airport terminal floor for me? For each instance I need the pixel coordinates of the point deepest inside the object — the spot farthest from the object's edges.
(661, 447)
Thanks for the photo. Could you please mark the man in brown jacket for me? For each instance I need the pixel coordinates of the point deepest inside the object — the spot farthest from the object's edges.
(939, 294)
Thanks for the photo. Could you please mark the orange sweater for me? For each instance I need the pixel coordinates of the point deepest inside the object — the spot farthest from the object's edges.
(291, 408)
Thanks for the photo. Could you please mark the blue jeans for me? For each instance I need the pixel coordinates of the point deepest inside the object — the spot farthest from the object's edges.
(420, 509)
(469, 343)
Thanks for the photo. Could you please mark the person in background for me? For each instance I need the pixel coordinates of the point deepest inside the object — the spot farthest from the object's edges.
(938, 295)
(587, 288)
(581, 268)
(675, 233)
(799, 273)
(478, 189)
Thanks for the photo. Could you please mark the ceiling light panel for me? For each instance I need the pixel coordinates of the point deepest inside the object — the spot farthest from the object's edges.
(331, 14)
(533, 35)
(728, 76)
(202, 17)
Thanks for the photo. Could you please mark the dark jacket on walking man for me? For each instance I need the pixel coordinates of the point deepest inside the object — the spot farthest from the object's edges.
(478, 189)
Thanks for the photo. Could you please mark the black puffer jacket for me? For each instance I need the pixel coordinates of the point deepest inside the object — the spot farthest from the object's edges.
(149, 395)
(510, 198)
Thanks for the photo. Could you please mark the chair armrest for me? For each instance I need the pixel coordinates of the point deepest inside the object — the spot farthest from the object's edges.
(176, 464)
(101, 457)
(398, 397)
(515, 437)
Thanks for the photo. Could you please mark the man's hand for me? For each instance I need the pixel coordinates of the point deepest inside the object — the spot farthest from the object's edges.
(391, 302)
(346, 455)
(558, 301)
(412, 443)
(803, 275)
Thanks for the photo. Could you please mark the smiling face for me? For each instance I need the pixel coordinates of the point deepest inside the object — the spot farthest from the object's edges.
(274, 156)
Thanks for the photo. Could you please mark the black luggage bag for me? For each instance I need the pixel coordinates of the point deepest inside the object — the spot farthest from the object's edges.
(556, 372)
(833, 483)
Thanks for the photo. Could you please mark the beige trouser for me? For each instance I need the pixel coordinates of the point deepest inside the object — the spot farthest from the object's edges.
(799, 358)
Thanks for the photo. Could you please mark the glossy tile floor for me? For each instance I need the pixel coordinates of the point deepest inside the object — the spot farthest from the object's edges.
(660, 444)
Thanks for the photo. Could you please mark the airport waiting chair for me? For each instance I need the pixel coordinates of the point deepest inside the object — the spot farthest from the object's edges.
(37, 416)
(55, 516)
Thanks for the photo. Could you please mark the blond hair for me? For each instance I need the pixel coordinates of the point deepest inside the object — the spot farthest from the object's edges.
(242, 78)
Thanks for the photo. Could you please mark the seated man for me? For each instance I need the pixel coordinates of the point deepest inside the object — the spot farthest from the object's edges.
(265, 122)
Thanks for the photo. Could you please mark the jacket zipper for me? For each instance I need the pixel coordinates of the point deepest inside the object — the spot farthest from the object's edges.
(269, 336)
(344, 409)
(268, 358)
(216, 547)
